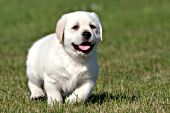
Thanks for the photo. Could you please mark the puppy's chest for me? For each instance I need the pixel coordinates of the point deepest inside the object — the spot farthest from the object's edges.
(78, 72)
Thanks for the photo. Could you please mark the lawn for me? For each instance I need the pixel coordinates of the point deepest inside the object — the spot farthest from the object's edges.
(134, 56)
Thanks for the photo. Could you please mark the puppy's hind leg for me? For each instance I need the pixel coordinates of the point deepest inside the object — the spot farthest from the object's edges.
(36, 90)
(34, 84)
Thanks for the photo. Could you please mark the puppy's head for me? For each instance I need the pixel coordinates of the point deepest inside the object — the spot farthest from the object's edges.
(79, 32)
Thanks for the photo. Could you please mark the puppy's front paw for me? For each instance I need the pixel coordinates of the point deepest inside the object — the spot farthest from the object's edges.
(37, 96)
(72, 99)
(53, 100)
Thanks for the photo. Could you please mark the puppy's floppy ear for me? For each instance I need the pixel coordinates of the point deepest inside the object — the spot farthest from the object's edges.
(100, 26)
(60, 28)
(101, 31)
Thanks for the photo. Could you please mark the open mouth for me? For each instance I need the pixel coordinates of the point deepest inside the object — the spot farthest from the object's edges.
(84, 47)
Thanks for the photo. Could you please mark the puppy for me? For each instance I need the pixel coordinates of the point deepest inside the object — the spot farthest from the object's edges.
(63, 65)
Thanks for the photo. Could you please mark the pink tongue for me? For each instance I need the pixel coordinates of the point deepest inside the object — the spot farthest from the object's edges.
(84, 47)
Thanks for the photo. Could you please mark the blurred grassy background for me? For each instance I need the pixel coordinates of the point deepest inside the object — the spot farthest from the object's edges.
(134, 56)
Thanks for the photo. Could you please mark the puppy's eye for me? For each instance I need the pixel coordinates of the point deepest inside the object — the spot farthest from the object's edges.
(76, 27)
(92, 26)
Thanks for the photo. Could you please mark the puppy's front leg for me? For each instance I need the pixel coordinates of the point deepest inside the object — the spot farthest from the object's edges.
(52, 90)
(82, 93)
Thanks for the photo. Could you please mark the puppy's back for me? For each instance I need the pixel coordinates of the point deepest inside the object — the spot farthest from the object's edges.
(40, 49)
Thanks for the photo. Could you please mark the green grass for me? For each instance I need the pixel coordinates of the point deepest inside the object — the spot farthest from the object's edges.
(134, 56)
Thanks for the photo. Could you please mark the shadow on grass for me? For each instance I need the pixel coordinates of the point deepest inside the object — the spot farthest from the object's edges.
(100, 98)
(39, 99)
(105, 96)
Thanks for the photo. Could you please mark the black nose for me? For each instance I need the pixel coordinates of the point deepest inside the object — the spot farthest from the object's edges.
(86, 35)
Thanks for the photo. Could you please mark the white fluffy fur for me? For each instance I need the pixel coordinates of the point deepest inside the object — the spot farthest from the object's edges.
(56, 70)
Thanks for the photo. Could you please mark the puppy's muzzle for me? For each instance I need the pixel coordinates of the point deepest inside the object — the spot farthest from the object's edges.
(86, 35)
